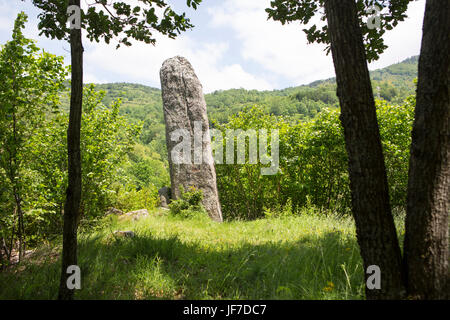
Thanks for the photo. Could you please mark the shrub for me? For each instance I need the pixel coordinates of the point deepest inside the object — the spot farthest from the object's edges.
(129, 199)
(244, 192)
(189, 203)
(313, 164)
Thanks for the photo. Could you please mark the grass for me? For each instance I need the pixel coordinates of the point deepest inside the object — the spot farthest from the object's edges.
(301, 257)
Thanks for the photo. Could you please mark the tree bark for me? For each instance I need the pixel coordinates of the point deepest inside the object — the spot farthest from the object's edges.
(73, 197)
(14, 174)
(3, 254)
(376, 233)
(426, 241)
(20, 227)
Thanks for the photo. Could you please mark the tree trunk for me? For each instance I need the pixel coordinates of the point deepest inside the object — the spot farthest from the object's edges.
(14, 178)
(3, 254)
(376, 233)
(20, 226)
(11, 242)
(426, 240)
(73, 197)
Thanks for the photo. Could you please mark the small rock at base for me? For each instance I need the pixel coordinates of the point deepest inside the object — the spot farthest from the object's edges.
(126, 234)
(138, 214)
(114, 211)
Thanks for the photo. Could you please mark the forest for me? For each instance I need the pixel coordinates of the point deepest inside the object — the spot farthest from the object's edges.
(307, 232)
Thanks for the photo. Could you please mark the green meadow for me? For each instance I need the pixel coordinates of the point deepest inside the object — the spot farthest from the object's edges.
(306, 256)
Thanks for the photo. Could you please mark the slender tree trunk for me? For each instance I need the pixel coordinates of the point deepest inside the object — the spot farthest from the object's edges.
(20, 226)
(376, 233)
(14, 177)
(11, 243)
(426, 240)
(73, 197)
(3, 254)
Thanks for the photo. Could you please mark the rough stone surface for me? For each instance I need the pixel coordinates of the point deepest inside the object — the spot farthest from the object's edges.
(125, 234)
(184, 104)
(164, 197)
(114, 211)
(138, 214)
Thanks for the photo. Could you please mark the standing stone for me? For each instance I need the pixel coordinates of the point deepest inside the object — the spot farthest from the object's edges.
(185, 117)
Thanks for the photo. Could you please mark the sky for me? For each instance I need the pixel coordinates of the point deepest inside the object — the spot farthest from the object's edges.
(232, 45)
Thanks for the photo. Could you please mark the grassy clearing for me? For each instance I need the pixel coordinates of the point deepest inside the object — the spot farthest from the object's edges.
(302, 257)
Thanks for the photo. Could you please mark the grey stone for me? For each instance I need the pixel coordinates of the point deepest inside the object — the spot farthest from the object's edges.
(184, 107)
(125, 234)
(138, 214)
(114, 211)
(164, 197)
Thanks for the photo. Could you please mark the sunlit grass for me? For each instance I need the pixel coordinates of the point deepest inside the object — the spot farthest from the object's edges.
(301, 257)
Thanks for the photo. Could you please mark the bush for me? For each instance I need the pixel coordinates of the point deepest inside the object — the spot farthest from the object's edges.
(129, 199)
(244, 192)
(189, 204)
(313, 164)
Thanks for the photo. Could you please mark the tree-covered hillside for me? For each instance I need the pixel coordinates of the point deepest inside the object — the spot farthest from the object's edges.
(307, 117)
(399, 74)
(295, 107)
(143, 103)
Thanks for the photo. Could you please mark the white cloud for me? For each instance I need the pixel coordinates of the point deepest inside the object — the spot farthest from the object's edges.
(6, 12)
(5, 24)
(141, 63)
(280, 50)
(233, 45)
(283, 50)
(91, 78)
(234, 76)
(404, 41)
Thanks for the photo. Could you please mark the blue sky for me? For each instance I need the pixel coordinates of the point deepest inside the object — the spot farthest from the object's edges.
(232, 46)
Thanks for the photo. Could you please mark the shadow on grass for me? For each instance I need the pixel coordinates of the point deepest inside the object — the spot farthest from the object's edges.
(146, 267)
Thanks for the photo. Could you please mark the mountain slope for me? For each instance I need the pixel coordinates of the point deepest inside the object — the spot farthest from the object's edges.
(392, 83)
(143, 103)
